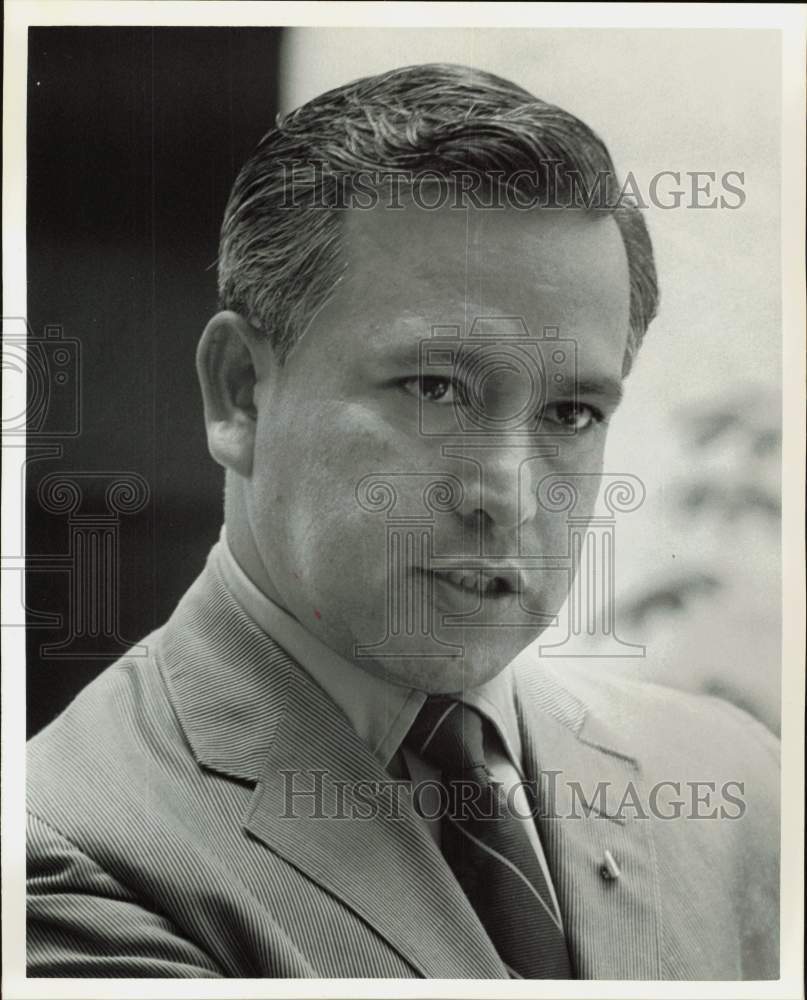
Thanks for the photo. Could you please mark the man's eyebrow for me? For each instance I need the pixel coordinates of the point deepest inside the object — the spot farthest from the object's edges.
(610, 388)
(409, 353)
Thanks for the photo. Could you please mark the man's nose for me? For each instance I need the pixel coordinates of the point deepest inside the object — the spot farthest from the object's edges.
(501, 487)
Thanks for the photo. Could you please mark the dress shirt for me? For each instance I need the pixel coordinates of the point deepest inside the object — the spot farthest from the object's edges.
(382, 712)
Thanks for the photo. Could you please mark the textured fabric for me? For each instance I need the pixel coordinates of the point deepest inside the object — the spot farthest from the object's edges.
(166, 840)
(487, 847)
(381, 712)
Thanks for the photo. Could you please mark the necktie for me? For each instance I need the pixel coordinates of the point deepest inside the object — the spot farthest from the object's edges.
(487, 846)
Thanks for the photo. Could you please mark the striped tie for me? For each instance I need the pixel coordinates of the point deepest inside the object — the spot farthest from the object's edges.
(487, 847)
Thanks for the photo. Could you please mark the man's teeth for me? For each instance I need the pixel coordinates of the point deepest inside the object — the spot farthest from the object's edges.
(467, 581)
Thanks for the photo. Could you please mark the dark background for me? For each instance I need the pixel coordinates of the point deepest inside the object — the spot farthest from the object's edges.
(135, 136)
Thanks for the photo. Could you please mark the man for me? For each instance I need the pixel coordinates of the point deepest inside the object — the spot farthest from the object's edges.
(431, 293)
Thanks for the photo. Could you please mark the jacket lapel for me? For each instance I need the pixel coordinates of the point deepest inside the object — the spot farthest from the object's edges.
(359, 838)
(321, 800)
(591, 788)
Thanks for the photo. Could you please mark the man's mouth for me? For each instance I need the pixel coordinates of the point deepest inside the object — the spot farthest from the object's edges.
(482, 583)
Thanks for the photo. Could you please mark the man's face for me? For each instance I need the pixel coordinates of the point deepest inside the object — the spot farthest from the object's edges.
(443, 587)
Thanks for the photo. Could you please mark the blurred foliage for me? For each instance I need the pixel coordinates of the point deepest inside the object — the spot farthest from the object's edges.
(713, 622)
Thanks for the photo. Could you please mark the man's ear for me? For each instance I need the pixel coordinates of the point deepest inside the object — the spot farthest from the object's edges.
(226, 363)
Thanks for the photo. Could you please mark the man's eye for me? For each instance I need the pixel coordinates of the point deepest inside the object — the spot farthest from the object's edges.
(431, 388)
(575, 416)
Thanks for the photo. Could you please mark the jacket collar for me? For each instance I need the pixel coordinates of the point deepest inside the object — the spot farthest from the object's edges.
(227, 679)
(251, 713)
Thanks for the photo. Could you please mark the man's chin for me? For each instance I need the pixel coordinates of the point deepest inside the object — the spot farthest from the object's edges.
(462, 665)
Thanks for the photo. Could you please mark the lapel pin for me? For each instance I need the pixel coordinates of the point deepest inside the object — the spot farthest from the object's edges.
(610, 869)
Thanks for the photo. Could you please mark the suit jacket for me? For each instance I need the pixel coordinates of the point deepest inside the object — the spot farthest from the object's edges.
(163, 841)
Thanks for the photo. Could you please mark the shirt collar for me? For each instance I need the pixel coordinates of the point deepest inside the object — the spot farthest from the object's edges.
(380, 712)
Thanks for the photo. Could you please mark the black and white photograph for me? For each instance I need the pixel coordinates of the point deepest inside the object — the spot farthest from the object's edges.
(403, 495)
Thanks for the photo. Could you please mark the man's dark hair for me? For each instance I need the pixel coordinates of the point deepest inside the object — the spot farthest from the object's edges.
(281, 256)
